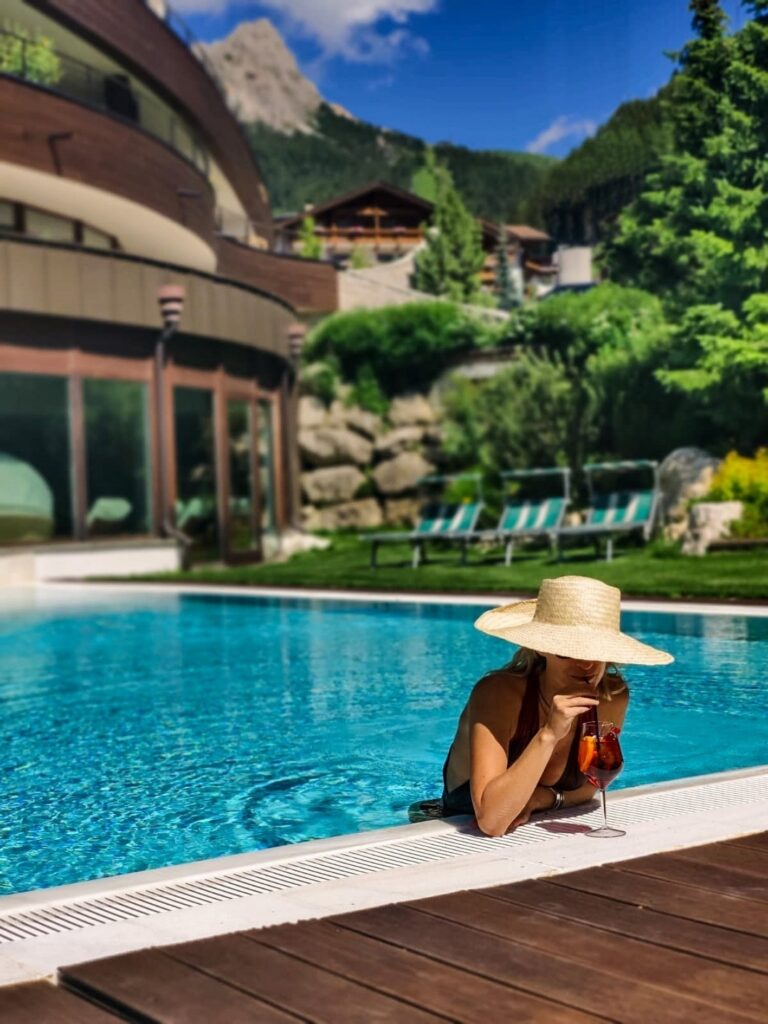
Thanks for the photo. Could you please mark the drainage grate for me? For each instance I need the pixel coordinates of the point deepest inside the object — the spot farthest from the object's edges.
(367, 860)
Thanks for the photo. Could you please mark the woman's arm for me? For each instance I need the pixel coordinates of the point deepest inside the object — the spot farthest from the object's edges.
(500, 793)
(541, 799)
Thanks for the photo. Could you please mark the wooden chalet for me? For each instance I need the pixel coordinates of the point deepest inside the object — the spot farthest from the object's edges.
(386, 222)
(380, 219)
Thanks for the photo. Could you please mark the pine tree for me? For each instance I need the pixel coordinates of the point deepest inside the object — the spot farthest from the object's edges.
(505, 286)
(310, 246)
(451, 260)
(698, 235)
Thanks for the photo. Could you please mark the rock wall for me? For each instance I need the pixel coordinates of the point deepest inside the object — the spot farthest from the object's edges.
(360, 470)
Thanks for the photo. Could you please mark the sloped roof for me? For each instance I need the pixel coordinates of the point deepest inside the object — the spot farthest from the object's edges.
(524, 233)
(373, 186)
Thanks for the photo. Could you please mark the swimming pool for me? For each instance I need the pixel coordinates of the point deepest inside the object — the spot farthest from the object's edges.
(147, 729)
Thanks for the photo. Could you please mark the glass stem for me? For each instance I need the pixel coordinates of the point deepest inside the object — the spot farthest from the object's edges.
(605, 813)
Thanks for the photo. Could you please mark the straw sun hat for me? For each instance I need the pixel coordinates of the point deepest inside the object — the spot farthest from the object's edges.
(575, 617)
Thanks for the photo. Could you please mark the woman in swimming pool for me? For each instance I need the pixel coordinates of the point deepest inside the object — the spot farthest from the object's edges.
(516, 745)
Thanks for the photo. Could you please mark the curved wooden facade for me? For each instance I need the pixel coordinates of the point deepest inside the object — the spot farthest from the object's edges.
(310, 286)
(141, 41)
(61, 137)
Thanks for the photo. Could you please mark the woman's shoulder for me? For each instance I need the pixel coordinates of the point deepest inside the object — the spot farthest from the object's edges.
(502, 685)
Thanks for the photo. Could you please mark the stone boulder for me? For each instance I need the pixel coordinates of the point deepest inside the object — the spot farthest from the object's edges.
(331, 446)
(312, 413)
(349, 515)
(291, 542)
(366, 423)
(707, 522)
(401, 474)
(684, 474)
(401, 511)
(331, 485)
(398, 440)
(411, 410)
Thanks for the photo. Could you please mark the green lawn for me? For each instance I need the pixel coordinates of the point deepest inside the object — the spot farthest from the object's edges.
(638, 572)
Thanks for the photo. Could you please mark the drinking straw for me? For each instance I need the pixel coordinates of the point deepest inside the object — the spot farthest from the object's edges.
(597, 736)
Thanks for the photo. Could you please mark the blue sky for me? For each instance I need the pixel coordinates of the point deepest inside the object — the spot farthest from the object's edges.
(488, 74)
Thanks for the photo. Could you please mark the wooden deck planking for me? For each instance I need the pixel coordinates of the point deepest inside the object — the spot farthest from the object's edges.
(673, 972)
(309, 992)
(640, 922)
(669, 897)
(150, 986)
(675, 937)
(42, 1003)
(432, 985)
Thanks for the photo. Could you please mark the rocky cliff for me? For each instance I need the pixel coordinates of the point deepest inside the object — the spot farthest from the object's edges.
(261, 78)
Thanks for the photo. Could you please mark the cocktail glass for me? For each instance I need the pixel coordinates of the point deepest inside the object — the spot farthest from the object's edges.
(601, 760)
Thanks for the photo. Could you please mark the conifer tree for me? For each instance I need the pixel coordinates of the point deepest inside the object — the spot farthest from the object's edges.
(505, 286)
(310, 246)
(452, 257)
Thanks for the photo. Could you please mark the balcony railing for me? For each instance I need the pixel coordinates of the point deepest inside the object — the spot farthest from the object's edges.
(165, 12)
(32, 61)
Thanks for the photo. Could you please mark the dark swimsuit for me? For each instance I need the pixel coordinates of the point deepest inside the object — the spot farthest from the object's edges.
(459, 800)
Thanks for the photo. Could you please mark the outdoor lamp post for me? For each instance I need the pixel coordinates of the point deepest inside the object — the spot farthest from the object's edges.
(170, 298)
(297, 333)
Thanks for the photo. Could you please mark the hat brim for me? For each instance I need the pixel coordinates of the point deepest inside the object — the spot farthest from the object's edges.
(516, 624)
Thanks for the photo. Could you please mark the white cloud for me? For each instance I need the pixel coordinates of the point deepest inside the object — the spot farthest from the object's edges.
(203, 6)
(561, 128)
(344, 28)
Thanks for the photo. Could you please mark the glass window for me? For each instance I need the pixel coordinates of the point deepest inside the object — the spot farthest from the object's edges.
(240, 481)
(48, 226)
(7, 216)
(267, 467)
(96, 239)
(196, 469)
(117, 457)
(35, 465)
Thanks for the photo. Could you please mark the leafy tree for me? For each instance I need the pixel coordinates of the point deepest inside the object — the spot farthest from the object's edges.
(597, 336)
(722, 360)
(360, 258)
(310, 246)
(453, 254)
(29, 55)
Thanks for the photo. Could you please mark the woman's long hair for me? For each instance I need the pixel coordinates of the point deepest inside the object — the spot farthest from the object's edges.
(526, 662)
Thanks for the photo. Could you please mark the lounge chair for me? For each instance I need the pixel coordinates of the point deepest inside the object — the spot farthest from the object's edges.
(616, 512)
(439, 519)
(526, 518)
(107, 515)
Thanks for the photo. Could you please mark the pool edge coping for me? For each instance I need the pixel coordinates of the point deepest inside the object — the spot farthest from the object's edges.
(668, 605)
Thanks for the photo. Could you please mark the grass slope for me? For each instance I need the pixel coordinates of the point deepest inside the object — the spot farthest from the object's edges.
(636, 571)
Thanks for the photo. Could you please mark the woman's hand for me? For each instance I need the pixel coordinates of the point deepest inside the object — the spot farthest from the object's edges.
(541, 799)
(566, 707)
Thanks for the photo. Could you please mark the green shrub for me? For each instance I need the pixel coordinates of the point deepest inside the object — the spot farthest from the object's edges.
(366, 392)
(402, 347)
(30, 56)
(740, 478)
(321, 380)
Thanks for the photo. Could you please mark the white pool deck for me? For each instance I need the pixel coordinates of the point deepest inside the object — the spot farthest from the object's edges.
(43, 930)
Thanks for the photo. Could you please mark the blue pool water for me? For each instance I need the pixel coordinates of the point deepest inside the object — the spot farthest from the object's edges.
(145, 730)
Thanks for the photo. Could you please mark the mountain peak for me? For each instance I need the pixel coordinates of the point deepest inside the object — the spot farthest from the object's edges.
(261, 78)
